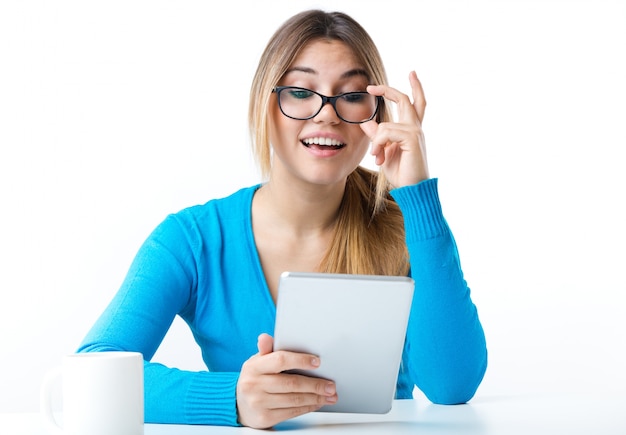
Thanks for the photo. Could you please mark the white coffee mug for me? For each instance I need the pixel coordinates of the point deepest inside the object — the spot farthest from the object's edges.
(102, 394)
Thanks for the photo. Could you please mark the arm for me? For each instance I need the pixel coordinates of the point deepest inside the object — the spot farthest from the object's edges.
(160, 284)
(445, 352)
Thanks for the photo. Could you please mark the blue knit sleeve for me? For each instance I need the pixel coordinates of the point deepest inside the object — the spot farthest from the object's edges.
(160, 284)
(445, 352)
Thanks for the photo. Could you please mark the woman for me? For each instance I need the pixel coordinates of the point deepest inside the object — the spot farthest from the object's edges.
(318, 104)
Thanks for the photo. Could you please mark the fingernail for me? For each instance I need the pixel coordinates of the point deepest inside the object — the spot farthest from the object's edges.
(315, 362)
(331, 399)
(329, 388)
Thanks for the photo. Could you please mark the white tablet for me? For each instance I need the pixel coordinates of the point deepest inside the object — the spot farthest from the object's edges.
(356, 324)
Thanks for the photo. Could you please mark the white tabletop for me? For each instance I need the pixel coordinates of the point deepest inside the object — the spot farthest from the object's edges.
(570, 414)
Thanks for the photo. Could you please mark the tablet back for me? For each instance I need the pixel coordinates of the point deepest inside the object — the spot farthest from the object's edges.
(356, 324)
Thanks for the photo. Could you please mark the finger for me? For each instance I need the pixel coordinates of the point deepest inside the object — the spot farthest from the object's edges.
(265, 344)
(295, 383)
(369, 128)
(271, 417)
(406, 111)
(282, 360)
(388, 135)
(298, 400)
(419, 101)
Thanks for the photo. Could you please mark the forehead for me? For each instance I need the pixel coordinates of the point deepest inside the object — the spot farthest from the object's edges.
(327, 58)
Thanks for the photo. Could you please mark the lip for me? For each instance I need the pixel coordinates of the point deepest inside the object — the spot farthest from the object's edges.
(323, 151)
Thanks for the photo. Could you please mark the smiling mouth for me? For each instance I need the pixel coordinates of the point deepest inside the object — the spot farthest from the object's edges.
(319, 142)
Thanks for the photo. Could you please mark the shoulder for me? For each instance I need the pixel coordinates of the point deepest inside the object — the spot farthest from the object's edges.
(229, 206)
(209, 219)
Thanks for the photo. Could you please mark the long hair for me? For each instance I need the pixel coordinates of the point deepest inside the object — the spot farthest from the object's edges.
(369, 235)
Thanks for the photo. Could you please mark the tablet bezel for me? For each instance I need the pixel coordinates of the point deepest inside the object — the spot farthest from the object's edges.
(356, 324)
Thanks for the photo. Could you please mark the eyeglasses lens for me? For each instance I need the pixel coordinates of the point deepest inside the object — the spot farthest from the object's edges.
(354, 107)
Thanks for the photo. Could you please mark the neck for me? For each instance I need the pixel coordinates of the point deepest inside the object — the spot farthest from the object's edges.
(303, 209)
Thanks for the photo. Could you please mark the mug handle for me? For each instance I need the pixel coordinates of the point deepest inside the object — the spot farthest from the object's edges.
(45, 400)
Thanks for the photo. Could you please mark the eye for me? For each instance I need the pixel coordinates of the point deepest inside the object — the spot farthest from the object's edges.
(355, 97)
(299, 94)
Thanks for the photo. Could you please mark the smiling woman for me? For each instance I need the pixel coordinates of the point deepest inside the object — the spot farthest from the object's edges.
(113, 115)
(319, 101)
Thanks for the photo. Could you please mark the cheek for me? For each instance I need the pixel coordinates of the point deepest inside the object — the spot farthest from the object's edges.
(362, 142)
(280, 128)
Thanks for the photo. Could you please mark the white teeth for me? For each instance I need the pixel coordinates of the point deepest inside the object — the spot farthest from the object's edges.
(322, 141)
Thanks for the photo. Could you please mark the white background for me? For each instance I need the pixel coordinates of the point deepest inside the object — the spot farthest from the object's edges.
(113, 114)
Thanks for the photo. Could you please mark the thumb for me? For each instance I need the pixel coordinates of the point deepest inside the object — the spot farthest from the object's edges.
(265, 344)
(369, 128)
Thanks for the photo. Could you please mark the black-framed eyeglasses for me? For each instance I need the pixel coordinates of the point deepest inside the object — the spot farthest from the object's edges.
(301, 103)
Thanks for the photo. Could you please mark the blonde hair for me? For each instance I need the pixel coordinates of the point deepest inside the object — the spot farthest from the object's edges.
(369, 235)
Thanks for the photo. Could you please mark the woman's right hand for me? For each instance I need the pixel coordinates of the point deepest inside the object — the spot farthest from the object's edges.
(266, 396)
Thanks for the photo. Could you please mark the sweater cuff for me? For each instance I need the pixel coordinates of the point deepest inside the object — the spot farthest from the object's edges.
(421, 209)
(212, 397)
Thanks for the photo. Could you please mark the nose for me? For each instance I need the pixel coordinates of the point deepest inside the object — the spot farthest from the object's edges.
(327, 114)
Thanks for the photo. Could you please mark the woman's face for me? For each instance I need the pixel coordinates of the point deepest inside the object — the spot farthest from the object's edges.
(329, 68)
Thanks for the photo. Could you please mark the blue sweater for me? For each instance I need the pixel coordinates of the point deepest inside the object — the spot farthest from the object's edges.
(201, 264)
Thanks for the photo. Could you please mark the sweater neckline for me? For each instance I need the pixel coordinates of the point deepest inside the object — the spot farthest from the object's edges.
(254, 252)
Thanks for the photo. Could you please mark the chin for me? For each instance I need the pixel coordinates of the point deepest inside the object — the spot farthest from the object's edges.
(322, 179)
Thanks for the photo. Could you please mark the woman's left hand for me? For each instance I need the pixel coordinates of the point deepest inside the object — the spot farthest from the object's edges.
(399, 147)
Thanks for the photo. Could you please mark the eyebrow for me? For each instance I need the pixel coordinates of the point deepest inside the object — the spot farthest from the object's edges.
(350, 73)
